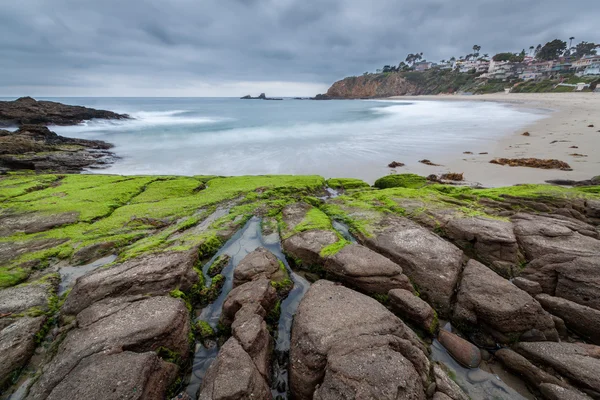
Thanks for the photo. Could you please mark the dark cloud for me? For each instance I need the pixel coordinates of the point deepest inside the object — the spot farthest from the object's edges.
(211, 47)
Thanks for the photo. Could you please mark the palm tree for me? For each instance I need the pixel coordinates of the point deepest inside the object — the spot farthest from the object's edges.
(571, 41)
(476, 49)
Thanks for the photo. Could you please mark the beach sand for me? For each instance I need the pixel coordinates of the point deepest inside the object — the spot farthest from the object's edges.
(550, 137)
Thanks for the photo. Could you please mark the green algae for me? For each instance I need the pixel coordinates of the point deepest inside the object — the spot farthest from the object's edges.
(410, 181)
(203, 330)
(334, 248)
(347, 183)
(314, 219)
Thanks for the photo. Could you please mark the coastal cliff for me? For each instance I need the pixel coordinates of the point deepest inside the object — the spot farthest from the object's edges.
(406, 83)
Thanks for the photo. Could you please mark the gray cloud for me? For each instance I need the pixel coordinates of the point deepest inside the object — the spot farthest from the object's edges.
(224, 47)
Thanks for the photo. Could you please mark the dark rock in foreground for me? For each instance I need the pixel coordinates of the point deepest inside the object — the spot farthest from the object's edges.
(27, 110)
(37, 148)
(352, 345)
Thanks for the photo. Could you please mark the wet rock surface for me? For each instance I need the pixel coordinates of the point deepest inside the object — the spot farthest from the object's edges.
(27, 110)
(140, 326)
(408, 306)
(489, 301)
(155, 274)
(35, 147)
(463, 351)
(431, 263)
(17, 344)
(330, 320)
(261, 263)
(259, 292)
(362, 268)
(578, 362)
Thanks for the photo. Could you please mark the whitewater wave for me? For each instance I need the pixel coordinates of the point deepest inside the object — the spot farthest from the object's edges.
(140, 120)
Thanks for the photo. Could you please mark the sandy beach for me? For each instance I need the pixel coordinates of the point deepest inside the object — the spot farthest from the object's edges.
(566, 124)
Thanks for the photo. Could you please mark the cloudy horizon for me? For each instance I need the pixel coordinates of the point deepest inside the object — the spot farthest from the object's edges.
(238, 47)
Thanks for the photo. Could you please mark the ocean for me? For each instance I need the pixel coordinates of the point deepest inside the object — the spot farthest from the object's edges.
(337, 138)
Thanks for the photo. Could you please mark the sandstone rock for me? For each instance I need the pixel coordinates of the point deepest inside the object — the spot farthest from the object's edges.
(17, 344)
(447, 386)
(307, 246)
(441, 396)
(14, 249)
(260, 263)
(555, 392)
(34, 222)
(27, 110)
(531, 287)
(405, 304)
(460, 349)
(492, 241)
(329, 319)
(431, 263)
(255, 292)
(117, 376)
(525, 369)
(369, 368)
(488, 301)
(292, 216)
(154, 274)
(581, 319)
(17, 299)
(571, 277)
(361, 267)
(233, 375)
(92, 252)
(372, 86)
(251, 332)
(578, 362)
(540, 236)
(141, 326)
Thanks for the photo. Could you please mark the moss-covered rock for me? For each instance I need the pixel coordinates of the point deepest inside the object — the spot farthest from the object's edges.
(411, 181)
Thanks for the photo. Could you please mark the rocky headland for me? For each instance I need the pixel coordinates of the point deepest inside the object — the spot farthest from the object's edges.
(272, 287)
(36, 148)
(26, 110)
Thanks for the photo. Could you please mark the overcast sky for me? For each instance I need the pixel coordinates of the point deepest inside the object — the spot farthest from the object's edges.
(238, 47)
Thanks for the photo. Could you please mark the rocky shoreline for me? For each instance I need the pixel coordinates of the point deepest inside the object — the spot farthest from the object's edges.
(514, 270)
(26, 110)
(34, 147)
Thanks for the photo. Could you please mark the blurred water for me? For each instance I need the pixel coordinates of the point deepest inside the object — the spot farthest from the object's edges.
(225, 136)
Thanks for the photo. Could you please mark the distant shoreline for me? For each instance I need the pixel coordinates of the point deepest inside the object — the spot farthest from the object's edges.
(551, 137)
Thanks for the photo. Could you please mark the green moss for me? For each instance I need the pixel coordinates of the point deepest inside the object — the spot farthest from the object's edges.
(347, 183)
(217, 266)
(410, 181)
(206, 295)
(272, 317)
(334, 248)
(314, 219)
(12, 276)
(169, 355)
(283, 286)
(382, 298)
(204, 330)
(178, 294)
(435, 324)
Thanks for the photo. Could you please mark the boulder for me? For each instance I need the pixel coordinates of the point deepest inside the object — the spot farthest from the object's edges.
(330, 319)
(531, 287)
(447, 386)
(117, 376)
(540, 236)
(140, 326)
(258, 292)
(406, 305)
(487, 301)
(34, 222)
(522, 367)
(578, 362)
(463, 351)
(567, 276)
(431, 263)
(366, 270)
(292, 216)
(556, 392)
(306, 246)
(369, 368)
(581, 319)
(491, 241)
(17, 344)
(260, 263)
(233, 375)
(154, 274)
(250, 330)
(18, 299)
